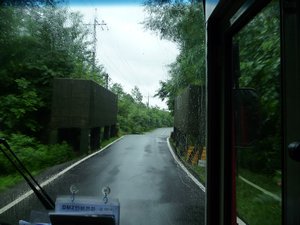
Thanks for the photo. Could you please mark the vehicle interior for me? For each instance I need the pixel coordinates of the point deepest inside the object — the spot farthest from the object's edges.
(244, 96)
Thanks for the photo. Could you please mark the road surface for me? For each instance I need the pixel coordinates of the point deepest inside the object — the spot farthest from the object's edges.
(142, 174)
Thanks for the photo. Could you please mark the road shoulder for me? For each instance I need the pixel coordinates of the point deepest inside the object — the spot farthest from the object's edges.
(178, 161)
(21, 191)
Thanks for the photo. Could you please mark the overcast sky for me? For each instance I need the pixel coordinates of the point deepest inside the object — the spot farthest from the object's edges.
(131, 55)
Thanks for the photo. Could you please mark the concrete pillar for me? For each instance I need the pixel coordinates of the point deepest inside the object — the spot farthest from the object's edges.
(106, 134)
(113, 130)
(84, 140)
(95, 138)
(53, 136)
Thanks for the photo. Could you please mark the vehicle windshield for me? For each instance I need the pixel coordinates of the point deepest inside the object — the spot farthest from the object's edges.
(98, 94)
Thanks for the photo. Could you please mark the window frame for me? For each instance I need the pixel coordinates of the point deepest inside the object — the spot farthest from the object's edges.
(226, 20)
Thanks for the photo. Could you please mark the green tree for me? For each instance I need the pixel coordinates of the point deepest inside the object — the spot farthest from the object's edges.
(18, 110)
(39, 44)
(28, 2)
(183, 23)
(118, 90)
(137, 95)
(260, 69)
(135, 117)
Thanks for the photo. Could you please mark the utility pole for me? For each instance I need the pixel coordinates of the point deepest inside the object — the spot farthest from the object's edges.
(102, 24)
(106, 80)
(148, 100)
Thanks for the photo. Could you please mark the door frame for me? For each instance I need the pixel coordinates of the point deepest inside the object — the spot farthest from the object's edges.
(290, 69)
(225, 21)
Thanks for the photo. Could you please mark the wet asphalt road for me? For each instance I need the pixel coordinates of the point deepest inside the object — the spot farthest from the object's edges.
(142, 174)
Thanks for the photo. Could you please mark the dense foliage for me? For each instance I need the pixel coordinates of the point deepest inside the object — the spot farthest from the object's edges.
(134, 116)
(260, 69)
(28, 2)
(181, 22)
(33, 154)
(39, 43)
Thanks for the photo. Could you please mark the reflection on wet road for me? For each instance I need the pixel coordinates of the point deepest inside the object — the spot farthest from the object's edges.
(142, 173)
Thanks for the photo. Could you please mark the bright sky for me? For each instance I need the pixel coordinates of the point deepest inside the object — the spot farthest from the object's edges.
(131, 55)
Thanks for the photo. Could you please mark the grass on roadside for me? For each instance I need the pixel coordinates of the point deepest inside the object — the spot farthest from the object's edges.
(7, 181)
(201, 172)
(255, 207)
(11, 180)
(271, 183)
(107, 142)
(252, 204)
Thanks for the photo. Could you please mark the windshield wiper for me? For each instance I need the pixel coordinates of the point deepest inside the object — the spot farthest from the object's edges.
(42, 195)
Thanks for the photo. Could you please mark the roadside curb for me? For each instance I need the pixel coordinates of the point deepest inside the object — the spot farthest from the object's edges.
(200, 185)
(55, 176)
(190, 175)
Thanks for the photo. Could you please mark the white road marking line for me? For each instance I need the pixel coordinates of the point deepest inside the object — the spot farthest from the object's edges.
(16, 201)
(51, 179)
(201, 186)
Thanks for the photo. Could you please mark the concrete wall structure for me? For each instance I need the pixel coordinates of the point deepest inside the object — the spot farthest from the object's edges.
(81, 109)
(187, 111)
(190, 120)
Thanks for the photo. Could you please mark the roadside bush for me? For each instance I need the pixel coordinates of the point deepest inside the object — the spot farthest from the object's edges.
(34, 155)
